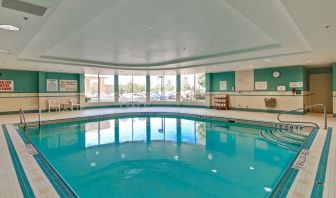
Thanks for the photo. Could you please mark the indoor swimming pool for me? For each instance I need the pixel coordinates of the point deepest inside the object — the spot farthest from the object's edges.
(167, 156)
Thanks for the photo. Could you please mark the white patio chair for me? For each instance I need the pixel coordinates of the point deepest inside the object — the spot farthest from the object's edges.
(140, 102)
(124, 101)
(75, 104)
(54, 104)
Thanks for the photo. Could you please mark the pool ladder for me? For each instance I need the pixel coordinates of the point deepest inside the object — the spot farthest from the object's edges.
(23, 118)
(293, 124)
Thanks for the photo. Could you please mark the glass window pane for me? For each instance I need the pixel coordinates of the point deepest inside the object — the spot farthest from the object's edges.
(91, 87)
(170, 88)
(139, 88)
(156, 89)
(106, 88)
(200, 87)
(187, 87)
(125, 88)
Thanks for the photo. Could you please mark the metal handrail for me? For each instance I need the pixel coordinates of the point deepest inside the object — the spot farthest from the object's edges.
(302, 122)
(39, 116)
(22, 118)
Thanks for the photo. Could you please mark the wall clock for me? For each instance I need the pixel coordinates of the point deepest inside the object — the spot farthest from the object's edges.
(276, 74)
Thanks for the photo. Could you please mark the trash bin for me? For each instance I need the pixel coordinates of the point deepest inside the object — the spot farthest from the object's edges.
(269, 102)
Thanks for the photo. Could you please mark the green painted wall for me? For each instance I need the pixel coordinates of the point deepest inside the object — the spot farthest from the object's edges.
(24, 81)
(35, 82)
(61, 76)
(229, 77)
(207, 82)
(287, 75)
(319, 70)
(81, 83)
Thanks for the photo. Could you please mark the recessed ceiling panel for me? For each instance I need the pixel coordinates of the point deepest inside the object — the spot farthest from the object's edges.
(176, 34)
(128, 32)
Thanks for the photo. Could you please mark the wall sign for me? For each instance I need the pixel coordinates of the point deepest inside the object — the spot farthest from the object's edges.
(296, 84)
(6, 85)
(262, 85)
(281, 88)
(223, 85)
(68, 85)
(52, 85)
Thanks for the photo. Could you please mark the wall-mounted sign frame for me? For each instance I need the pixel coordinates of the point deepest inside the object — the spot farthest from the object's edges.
(6, 85)
(281, 88)
(222, 85)
(296, 84)
(68, 85)
(52, 85)
(261, 85)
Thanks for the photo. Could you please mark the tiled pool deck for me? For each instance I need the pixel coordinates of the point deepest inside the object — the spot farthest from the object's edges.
(308, 181)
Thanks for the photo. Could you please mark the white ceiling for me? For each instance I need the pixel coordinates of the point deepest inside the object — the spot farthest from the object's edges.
(110, 36)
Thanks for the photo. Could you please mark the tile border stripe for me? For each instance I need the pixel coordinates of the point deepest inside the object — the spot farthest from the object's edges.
(322, 167)
(26, 188)
(285, 183)
(62, 188)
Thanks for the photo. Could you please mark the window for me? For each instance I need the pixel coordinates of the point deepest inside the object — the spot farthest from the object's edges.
(163, 88)
(132, 88)
(106, 91)
(91, 88)
(193, 87)
(200, 87)
(99, 88)
(139, 88)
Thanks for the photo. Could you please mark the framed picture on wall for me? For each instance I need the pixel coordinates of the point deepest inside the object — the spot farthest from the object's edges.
(52, 85)
(222, 85)
(68, 85)
(261, 85)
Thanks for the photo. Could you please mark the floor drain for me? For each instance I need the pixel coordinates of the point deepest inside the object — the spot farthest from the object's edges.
(319, 183)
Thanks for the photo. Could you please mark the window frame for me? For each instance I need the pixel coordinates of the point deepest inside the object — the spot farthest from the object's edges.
(99, 78)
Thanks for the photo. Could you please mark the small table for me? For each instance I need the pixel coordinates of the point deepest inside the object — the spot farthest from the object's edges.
(65, 106)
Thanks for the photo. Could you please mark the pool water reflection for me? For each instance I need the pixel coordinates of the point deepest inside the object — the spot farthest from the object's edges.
(162, 157)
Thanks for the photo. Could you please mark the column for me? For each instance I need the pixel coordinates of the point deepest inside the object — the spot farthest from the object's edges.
(178, 88)
(147, 89)
(116, 88)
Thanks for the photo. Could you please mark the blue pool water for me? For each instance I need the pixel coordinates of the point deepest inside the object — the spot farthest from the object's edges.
(164, 157)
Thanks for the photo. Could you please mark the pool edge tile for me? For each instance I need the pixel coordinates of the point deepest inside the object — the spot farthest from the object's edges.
(318, 187)
(25, 186)
(59, 184)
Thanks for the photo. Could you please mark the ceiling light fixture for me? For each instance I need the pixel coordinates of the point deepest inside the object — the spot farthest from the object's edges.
(5, 51)
(2, 62)
(9, 27)
(268, 60)
(309, 61)
(251, 66)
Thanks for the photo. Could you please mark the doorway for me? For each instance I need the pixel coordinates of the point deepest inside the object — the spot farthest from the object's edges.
(321, 91)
